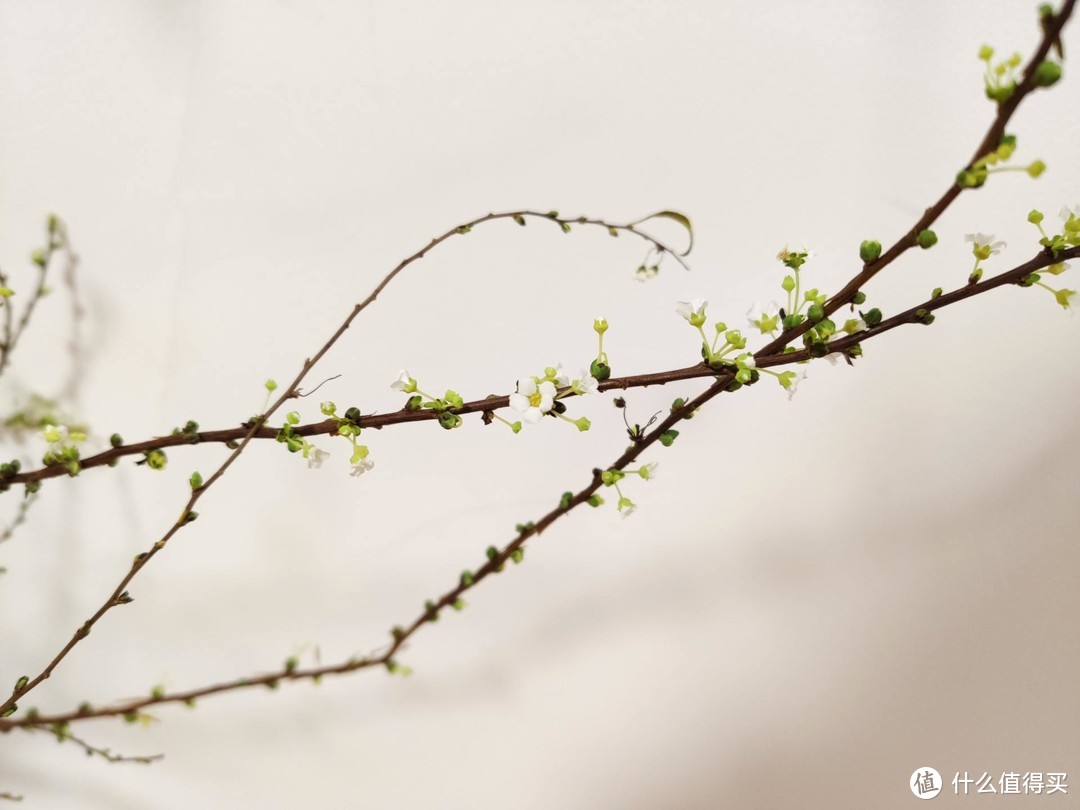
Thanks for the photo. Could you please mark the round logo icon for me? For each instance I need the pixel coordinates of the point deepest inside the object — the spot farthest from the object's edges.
(925, 783)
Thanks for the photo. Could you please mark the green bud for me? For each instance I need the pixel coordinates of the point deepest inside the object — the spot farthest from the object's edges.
(872, 318)
(156, 459)
(1047, 73)
(600, 326)
(517, 555)
(328, 408)
(270, 386)
(986, 53)
(564, 501)
(449, 421)
(519, 219)
(788, 284)
(40, 257)
(667, 438)
(600, 370)
(458, 605)
(594, 501)
(491, 552)
(936, 293)
(10, 710)
(116, 440)
(859, 298)
(869, 250)
(926, 239)
(195, 480)
(415, 403)
(1035, 217)
(21, 684)
(815, 313)
(1036, 168)
(467, 579)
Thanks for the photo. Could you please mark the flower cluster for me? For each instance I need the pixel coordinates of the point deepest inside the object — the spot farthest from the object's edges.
(418, 400)
(611, 478)
(1056, 243)
(63, 447)
(541, 395)
(347, 427)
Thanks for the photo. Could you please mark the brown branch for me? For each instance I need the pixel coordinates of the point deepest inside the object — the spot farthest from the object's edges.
(119, 595)
(12, 332)
(63, 734)
(498, 559)
(1052, 27)
(291, 672)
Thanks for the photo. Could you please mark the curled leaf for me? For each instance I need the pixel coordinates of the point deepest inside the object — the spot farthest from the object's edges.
(682, 219)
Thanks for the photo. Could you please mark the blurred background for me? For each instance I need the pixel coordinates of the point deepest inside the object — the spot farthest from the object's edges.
(814, 598)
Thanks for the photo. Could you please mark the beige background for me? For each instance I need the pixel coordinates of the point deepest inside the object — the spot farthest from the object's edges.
(814, 598)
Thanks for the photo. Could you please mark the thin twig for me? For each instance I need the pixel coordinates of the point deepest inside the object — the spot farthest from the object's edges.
(119, 594)
(496, 563)
(403, 416)
(63, 734)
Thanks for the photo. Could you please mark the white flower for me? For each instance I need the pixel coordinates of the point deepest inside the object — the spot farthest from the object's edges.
(584, 383)
(316, 458)
(693, 311)
(561, 378)
(834, 358)
(404, 382)
(56, 436)
(766, 318)
(644, 273)
(362, 467)
(1067, 213)
(60, 438)
(983, 245)
(648, 471)
(532, 400)
(793, 385)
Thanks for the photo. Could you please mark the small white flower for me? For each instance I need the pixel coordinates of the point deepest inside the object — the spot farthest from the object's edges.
(362, 467)
(584, 383)
(1067, 213)
(983, 245)
(644, 273)
(404, 382)
(561, 378)
(692, 311)
(766, 318)
(794, 384)
(648, 471)
(532, 400)
(316, 458)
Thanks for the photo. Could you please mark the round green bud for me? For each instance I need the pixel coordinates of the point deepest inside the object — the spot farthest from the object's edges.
(815, 313)
(1047, 73)
(926, 239)
(1036, 168)
(986, 53)
(667, 438)
(600, 326)
(449, 420)
(600, 370)
(116, 440)
(156, 460)
(869, 250)
(1035, 217)
(873, 317)
(859, 298)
